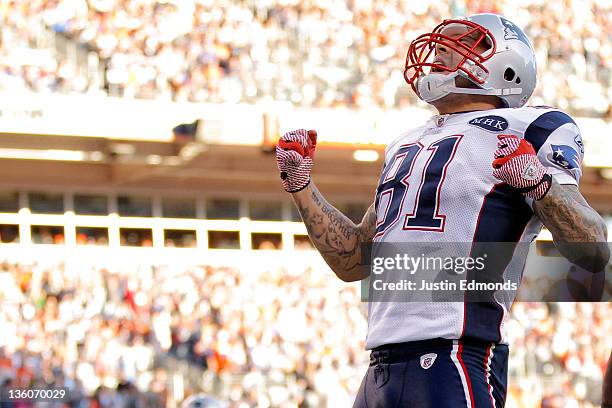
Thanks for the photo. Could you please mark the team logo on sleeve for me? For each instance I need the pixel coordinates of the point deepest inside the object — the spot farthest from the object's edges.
(491, 123)
(564, 156)
(427, 360)
(578, 141)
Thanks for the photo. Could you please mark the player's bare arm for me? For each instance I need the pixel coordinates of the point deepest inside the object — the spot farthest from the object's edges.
(578, 231)
(336, 237)
(570, 219)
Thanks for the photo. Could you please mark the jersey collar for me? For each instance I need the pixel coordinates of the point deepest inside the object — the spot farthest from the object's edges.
(439, 121)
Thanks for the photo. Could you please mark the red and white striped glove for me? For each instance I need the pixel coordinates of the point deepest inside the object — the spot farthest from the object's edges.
(516, 163)
(294, 157)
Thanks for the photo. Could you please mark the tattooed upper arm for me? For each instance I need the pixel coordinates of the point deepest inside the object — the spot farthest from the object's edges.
(568, 216)
(578, 231)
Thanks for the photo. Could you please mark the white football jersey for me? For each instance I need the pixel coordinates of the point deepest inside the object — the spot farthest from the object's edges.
(437, 185)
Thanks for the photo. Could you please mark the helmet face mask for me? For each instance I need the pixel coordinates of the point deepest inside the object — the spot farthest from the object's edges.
(488, 50)
(424, 48)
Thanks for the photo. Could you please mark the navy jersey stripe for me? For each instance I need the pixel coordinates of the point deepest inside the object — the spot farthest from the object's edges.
(539, 130)
(503, 218)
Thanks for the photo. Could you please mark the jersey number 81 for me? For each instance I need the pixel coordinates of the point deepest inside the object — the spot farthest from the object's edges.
(393, 187)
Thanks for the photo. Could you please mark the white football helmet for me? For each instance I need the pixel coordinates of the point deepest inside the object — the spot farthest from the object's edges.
(507, 68)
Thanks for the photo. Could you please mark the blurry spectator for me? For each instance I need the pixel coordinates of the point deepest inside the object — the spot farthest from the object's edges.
(47, 235)
(310, 53)
(267, 336)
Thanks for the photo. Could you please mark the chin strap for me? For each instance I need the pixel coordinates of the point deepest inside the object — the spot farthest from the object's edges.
(435, 86)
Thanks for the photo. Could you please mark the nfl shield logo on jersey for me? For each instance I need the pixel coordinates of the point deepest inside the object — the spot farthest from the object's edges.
(427, 360)
(441, 120)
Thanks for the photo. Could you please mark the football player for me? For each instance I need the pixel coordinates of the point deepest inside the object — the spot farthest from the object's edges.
(487, 168)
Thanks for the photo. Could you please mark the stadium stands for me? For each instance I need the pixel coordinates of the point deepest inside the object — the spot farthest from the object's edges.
(148, 332)
(311, 53)
(119, 332)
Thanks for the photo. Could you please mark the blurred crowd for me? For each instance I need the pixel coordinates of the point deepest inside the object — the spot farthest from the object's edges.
(102, 328)
(566, 341)
(263, 337)
(334, 53)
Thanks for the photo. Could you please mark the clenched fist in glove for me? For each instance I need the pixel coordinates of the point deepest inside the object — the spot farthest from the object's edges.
(294, 157)
(517, 164)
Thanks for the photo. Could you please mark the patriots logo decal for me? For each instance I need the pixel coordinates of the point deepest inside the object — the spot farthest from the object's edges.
(512, 32)
(564, 157)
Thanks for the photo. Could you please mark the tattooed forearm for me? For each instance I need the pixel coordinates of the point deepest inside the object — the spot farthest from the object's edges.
(337, 238)
(578, 231)
(330, 212)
